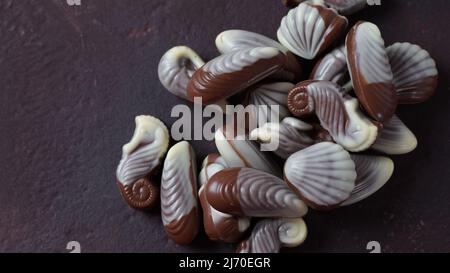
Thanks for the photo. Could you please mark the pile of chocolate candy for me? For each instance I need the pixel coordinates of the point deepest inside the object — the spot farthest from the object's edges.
(346, 106)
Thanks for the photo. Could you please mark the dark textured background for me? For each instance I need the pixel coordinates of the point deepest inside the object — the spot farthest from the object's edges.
(73, 78)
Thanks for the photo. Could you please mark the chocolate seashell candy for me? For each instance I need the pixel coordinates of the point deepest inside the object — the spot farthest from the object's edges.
(179, 208)
(395, 138)
(332, 67)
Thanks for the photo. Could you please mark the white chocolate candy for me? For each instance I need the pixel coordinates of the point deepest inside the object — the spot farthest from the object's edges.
(395, 138)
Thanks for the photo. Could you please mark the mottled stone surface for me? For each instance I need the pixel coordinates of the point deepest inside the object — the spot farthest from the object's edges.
(73, 78)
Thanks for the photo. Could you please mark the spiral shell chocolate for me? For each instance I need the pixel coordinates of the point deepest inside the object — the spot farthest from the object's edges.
(415, 73)
(291, 134)
(231, 73)
(370, 71)
(332, 67)
(395, 138)
(270, 235)
(250, 192)
(309, 29)
(179, 209)
(140, 157)
(323, 175)
(372, 172)
(338, 113)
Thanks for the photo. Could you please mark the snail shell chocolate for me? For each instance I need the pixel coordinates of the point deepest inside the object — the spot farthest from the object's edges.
(268, 95)
(292, 134)
(231, 73)
(179, 210)
(250, 192)
(309, 29)
(372, 172)
(415, 72)
(347, 7)
(270, 235)
(370, 71)
(231, 40)
(176, 68)
(338, 113)
(140, 157)
(239, 151)
(395, 138)
(332, 67)
(323, 175)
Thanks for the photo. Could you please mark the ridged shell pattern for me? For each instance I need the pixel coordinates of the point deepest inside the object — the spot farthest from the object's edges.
(323, 174)
(270, 235)
(415, 72)
(264, 97)
(178, 183)
(395, 138)
(176, 68)
(145, 150)
(292, 135)
(340, 116)
(264, 195)
(332, 67)
(308, 29)
(372, 173)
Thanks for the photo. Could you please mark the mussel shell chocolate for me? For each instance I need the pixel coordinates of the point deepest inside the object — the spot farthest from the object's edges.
(332, 67)
(231, 73)
(415, 72)
(309, 29)
(370, 71)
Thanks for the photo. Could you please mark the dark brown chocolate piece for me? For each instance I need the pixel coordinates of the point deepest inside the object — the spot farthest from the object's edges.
(143, 194)
(231, 73)
(370, 71)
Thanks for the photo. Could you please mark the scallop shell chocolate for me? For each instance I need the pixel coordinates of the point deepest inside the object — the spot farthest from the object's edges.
(309, 29)
(239, 151)
(323, 175)
(338, 113)
(179, 209)
(176, 68)
(231, 73)
(140, 158)
(250, 192)
(292, 135)
(332, 67)
(372, 172)
(270, 235)
(395, 138)
(415, 72)
(235, 39)
(370, 71)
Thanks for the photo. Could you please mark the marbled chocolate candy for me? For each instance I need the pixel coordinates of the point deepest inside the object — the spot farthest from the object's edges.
(250, 192)
(370, 71)
(309, 29)
(179, 209)
(332, 67)
(270, 235)
(395, 138)
(338, 113)
(231, 73)
(140, 158)
(323, 175)
(347, 7)
(415, 72)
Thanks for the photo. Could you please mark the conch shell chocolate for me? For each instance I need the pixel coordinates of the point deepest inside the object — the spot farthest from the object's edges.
(140, 158)
(179, 208)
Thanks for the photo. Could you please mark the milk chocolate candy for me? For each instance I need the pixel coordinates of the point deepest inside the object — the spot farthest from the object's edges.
(415, 72)
(250, 192)
(270, 235)
(370, 71)
(292, 134)
(179, 211)
(218, 226)
(323, 175)
(347, 7)
(239, 151)
(231, 73)
(332, 67)
(232, 40)
(372, 172)
(309, 29)
(140, 158)
(395, 138)
(338, 113)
